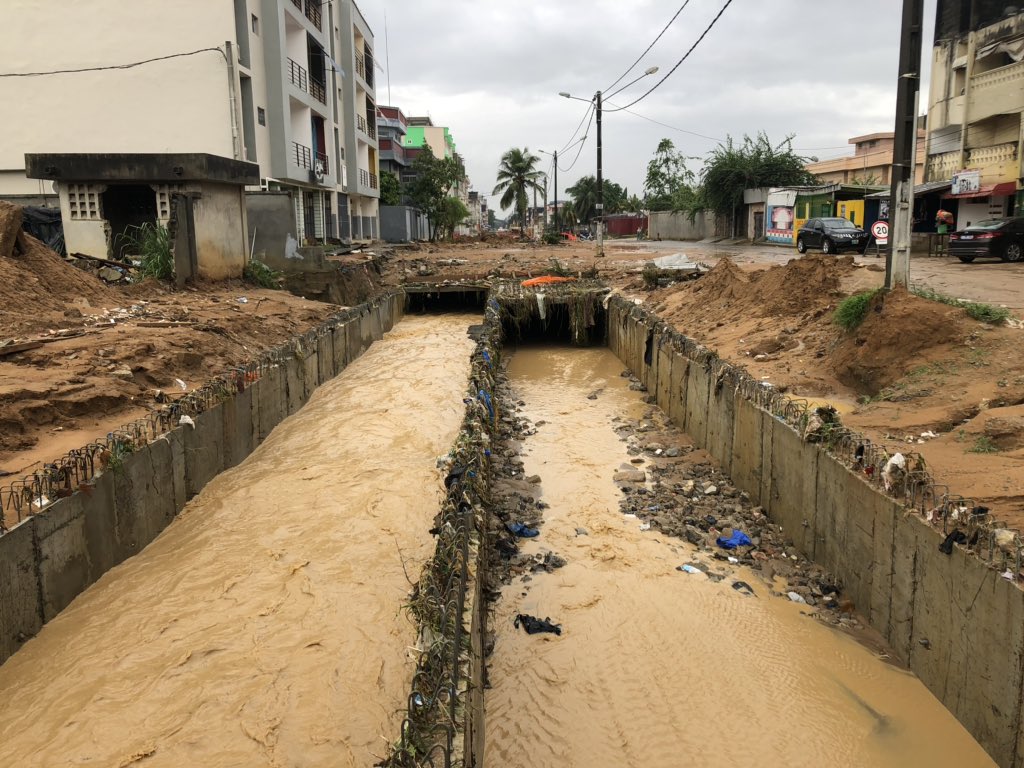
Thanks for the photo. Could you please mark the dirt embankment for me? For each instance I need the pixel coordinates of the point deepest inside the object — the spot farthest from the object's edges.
(79, 358)
(899, 328)
(916, 373)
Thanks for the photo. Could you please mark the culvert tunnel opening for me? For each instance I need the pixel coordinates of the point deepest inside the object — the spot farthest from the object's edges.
(577, 324)
(445, 300)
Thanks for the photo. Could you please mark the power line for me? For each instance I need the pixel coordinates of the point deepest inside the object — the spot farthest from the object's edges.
(579, 151)
(678, 63)
(112, 66)
(648, 49)
(663, 125)
(585, 116)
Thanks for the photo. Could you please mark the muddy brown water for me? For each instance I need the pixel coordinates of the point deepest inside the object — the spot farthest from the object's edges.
(661, 668)
(265, 625)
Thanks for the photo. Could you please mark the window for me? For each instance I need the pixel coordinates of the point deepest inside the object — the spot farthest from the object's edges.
(255, 25)
(261, 115)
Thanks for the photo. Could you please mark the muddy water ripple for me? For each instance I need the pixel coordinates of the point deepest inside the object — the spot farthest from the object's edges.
(264, 626)
(661, 668)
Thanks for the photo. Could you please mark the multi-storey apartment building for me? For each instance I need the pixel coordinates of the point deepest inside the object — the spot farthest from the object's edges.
(392, 125)
(976, 106)
(285, 84)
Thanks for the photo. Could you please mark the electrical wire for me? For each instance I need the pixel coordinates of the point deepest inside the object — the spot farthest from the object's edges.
(585, 116)
(112, 66)
(583, 143)
(648, 49)
(679, 63)
(664, 125)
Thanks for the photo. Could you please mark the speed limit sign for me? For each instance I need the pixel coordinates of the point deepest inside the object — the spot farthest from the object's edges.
(880, 230)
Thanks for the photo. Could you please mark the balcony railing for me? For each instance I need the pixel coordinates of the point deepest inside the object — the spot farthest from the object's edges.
(313, 12)
(361, 123)
(298, 75)
(360, 66)
(364, 177)
(303, 155)
(368, 76)
(318, 90)
(297, 4)
(371, 130)
(307, 158)
(300, 78)
(373, 180)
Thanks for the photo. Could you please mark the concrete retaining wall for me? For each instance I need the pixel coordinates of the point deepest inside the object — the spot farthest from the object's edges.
(50, 558)
(953, 620)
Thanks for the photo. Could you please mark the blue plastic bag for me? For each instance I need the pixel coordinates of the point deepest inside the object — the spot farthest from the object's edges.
(522, 531)
(738, 539)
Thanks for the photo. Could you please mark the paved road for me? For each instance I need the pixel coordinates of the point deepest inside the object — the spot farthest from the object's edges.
(991, 281)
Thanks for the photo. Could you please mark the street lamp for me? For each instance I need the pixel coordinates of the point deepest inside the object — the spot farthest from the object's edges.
(596, 100)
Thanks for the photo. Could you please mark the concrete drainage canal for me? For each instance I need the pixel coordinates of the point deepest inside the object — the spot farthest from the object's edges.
(575, 581)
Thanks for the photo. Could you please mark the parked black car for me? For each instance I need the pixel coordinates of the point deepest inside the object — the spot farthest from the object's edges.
(992, 238)
(831, 235)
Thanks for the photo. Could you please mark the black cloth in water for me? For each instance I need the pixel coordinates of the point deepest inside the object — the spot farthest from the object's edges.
(533, 625)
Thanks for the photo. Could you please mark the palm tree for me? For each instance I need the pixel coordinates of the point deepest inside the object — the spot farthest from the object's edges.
(517, 174)
(584, 198)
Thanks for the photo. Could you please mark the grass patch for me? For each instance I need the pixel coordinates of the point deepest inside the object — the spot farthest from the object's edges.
(151, 243)
(983, 444)
(986, 313)
(851, 310)
(260, 274)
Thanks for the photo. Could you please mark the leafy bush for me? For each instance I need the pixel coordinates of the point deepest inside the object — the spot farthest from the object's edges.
(983, 444)
(151, 243)
(260, 274)
(986, 313)
(851, 310)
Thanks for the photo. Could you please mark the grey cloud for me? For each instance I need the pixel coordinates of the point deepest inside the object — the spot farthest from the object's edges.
(824, 71)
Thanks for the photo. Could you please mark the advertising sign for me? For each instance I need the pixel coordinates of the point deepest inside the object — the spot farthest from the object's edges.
(966, 182)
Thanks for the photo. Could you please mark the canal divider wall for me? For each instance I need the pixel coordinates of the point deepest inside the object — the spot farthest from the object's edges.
(952, 619)
(101, 504)
(444, 719)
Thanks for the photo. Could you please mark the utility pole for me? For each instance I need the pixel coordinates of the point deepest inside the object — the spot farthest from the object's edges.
(904, 160)
(600, 184)
(558, 229)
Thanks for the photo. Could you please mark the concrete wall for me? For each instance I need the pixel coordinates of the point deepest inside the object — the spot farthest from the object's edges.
(50, 558)
(666, 225)
(402, 224)
(221, 237)
(953, 620)
(271, 221)
(179, 104)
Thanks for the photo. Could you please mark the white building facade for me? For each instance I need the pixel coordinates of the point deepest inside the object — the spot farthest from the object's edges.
(285, 84)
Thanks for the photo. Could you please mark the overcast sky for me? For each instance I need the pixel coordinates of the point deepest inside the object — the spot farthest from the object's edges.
(824, 70)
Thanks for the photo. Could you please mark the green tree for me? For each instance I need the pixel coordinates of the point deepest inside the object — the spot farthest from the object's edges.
(434, 181)
(755, 163)
(517, 175)
(668, 178)
(491, 223)
(390, 189)
(865, 181)
(453, 213)
(584, 197)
